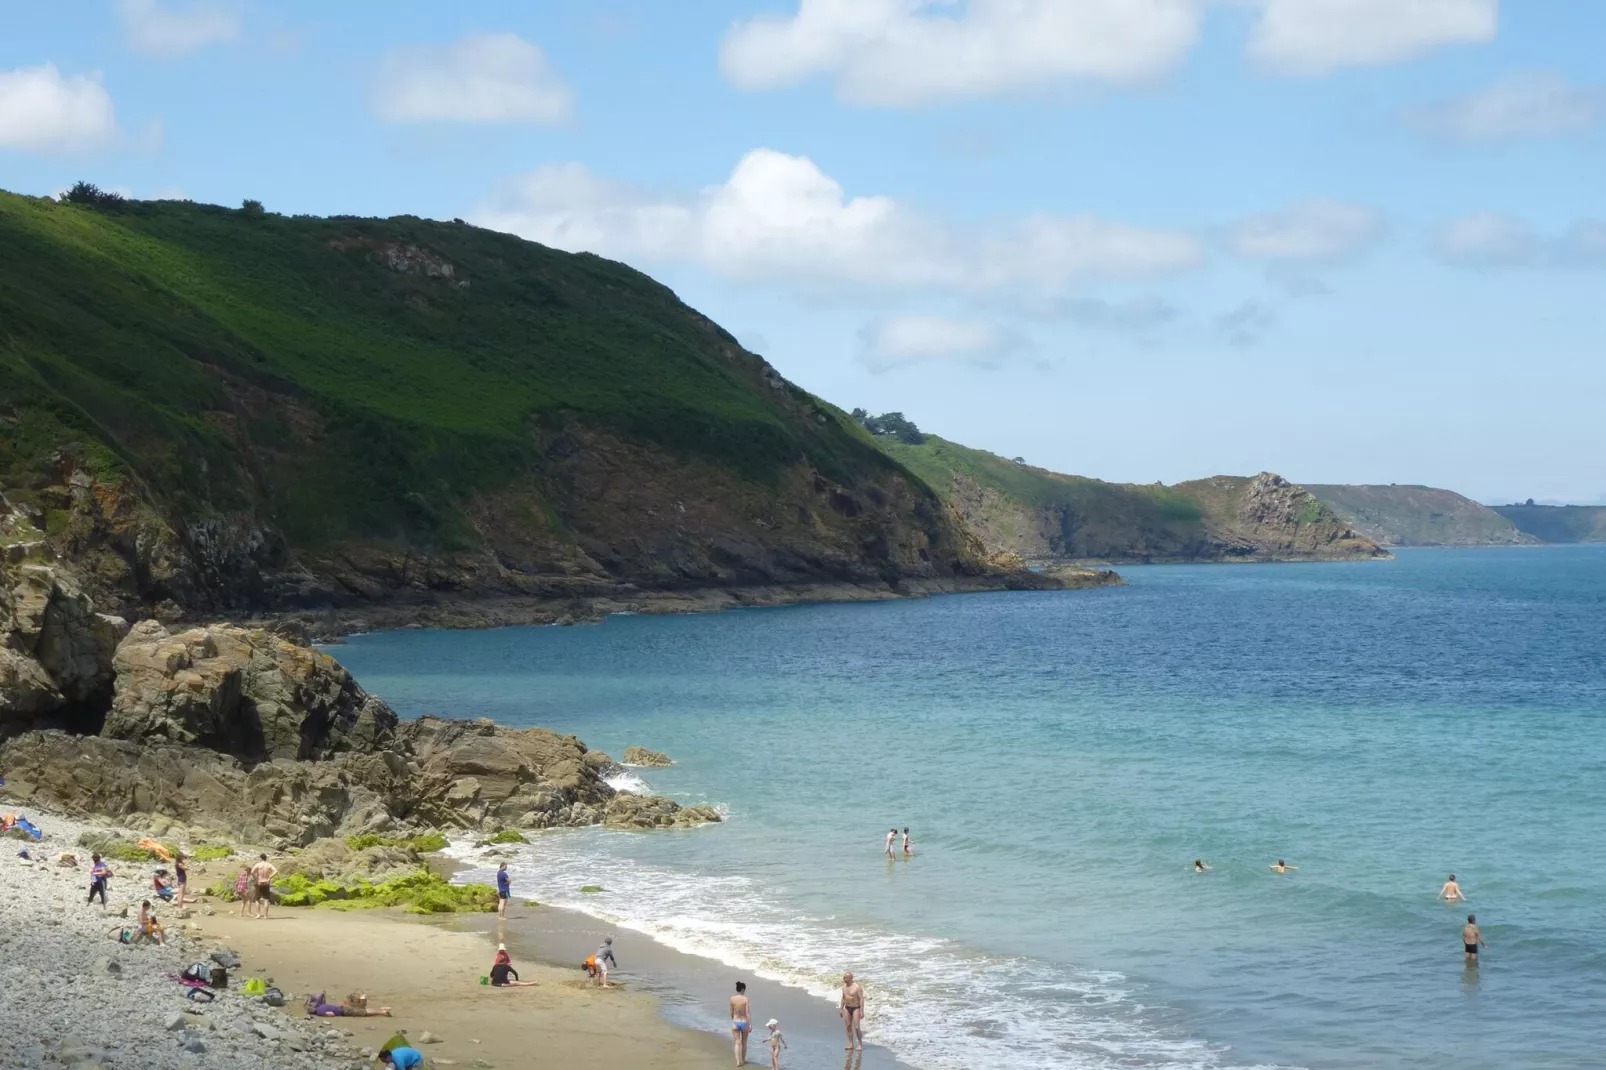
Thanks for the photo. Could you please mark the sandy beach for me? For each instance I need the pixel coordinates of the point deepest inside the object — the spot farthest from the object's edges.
(429, 976)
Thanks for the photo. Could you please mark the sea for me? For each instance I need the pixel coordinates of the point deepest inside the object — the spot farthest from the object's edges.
(1062, 758)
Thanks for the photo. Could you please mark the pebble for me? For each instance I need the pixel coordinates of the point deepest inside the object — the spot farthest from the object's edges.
(110, 1004)
(426, 1037)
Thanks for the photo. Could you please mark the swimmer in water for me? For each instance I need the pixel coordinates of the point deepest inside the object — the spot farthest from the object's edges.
(891, 837)
(1282, 867)
(1451, 892)
(1472, 939)
(1199, 866)
(908, 849)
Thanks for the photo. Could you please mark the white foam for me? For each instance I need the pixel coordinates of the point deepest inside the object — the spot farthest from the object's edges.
(938, 1004)
(627, 782)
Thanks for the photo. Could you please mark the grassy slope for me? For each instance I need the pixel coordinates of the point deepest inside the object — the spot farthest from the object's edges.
(1558, 523)
(1404, 515)
(1040, 514)
(277, 366)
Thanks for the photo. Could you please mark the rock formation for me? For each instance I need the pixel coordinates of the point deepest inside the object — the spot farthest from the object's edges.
(644, 757)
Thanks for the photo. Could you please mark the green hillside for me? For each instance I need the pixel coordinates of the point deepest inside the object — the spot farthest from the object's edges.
(1405, 515)
(1045, 516)
(1558, 523)
(218, 407)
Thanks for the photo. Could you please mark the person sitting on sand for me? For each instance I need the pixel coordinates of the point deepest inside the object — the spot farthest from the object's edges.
(1282, 867)
(1451, 892)
(777, 1042)
(163, 885)
(1199, 866)
(741, 1022)
(149, 927)
(503, 969)
(402, 1058)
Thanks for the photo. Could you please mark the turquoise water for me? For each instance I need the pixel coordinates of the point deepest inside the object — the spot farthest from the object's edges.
(1062, 757)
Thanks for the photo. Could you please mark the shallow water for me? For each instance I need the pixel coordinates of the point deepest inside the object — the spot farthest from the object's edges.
(1062, 757)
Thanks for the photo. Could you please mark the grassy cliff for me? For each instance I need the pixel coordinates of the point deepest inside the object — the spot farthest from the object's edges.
(1404, 515)
(1043, 516)
(1558, 523)
(219, 408)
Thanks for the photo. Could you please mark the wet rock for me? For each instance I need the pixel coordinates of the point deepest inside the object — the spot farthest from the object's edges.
(643, 756)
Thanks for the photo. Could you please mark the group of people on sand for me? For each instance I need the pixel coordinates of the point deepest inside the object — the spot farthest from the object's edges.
(254, 888)
(850, 1007)
(892, 839)
(1471, 936)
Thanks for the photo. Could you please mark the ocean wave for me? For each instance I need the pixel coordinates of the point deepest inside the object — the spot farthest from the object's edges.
(936, 1003)
(627, 782)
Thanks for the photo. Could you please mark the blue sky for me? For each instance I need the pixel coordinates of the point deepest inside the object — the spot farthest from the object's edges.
(1343, 240)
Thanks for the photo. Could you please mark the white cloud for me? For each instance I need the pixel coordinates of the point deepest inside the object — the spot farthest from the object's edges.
(1491, 240)
(1523, 105)
(1315, 232)
(1307, 37)
(42, 111)
(780, 219)
(898, 341)
(905, 52)
(1488, 240)
(153, 29)
(482, 78)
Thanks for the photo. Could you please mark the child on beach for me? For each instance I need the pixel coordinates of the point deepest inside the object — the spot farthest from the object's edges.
(242, 890)
(149, 927)
(777, 1042)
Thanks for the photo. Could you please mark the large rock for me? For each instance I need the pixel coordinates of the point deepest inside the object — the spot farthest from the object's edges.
(627, 811)
(643, 756)
(244, 692)
(56, 652)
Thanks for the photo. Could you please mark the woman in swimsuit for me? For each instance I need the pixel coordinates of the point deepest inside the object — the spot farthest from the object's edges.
(741, 1022)
(907, 849)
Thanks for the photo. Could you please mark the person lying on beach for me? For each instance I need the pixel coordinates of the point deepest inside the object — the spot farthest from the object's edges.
(149, 927)
(1282, 867)
(402, 1058)
(1451, 892)
(777, 1042)
(163, 885)
(1199, 866)
(355, 1006)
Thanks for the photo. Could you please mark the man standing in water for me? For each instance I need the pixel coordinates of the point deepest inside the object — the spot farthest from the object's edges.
(741, 1022)
(908, 848)
(852, 1010)
(1472, 939)
(891, 836)
(1451, 892)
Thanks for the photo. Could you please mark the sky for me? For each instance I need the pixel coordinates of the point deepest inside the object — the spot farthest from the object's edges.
(1349, 241)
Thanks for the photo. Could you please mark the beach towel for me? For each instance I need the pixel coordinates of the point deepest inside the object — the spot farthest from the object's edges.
(29, 827)
(156, 848)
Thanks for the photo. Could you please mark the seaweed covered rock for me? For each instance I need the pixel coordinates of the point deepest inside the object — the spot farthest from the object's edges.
(652, 811)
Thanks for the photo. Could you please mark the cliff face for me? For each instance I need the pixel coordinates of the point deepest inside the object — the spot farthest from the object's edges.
(1402, 515)
(1558, 523)
(1045, 516)
(208, 413)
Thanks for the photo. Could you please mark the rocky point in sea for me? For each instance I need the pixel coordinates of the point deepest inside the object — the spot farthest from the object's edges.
(243, 735)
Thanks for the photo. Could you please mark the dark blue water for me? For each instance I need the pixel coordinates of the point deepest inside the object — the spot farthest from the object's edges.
(1061, 759)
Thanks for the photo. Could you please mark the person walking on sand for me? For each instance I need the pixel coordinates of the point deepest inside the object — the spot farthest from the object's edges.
(891, 837)
(777, 1042)
(852, 1010)
(741, 1022)
(262, 881)
(504, 889)
(99, 874)
(908, 848)
(604, 957)
(1472, 939)
(181, 881)
(1282, 867)
(1451, 892)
